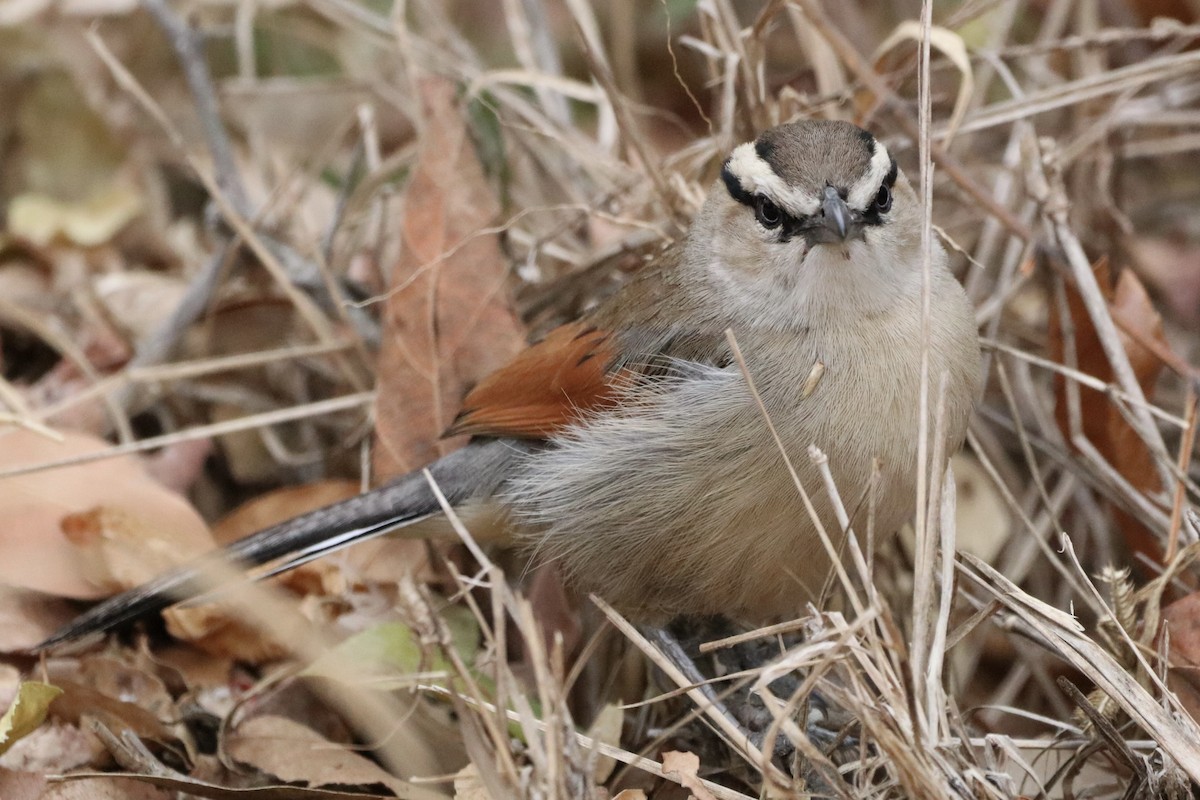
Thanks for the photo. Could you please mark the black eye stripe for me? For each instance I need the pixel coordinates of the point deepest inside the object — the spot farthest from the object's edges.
(789, 226)
(787, 223)
(734, 186)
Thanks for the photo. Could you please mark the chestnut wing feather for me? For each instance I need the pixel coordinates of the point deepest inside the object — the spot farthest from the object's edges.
(546, 387)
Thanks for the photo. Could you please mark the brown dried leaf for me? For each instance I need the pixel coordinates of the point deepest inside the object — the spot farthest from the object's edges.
(1181, 621)
(685, 768)
(105, 788)
(123, 549)
(78, 702)
(296, 754)
(142, 527)
(1139, 325)
(138, 302)
(468, 785)
(221, 630)
(16, 785)
(981, 517)
(448, 321)
(27, 618)
(1172, 269)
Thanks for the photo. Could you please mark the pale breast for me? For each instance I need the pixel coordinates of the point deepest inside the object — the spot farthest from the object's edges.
(683, 502)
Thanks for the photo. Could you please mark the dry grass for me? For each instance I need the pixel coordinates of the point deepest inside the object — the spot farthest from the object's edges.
(1022, 674)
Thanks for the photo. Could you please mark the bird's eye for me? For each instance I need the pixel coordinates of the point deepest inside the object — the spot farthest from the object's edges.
(883, 200)
(769, 215)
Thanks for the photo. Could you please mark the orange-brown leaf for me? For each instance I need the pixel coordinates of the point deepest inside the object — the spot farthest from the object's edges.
(1181, 620)
(448, 322)
(1104, 426)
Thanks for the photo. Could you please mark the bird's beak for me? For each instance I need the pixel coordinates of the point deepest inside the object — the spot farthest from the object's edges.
(835, 213)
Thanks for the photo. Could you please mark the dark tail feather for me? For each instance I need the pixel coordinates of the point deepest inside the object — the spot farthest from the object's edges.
(474, 471)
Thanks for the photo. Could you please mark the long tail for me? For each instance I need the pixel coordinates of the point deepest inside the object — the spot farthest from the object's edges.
(474, 471)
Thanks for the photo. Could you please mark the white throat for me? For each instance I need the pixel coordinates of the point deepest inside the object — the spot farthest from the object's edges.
(822, 285)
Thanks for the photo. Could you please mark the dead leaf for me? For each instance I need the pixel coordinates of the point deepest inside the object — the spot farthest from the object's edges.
(157, 527)
(55, 747)
(78, 702)
(122, 549)
(1101, 422)
(296, 754)
(1181, 621)
(139, 302)
(949, 44)
(555, 608)
(27, 618)
(448, 322)
(239, 326)
(684, 767)
(41, 219)
(26, 283)
(105, 788)
(606, 729)
(131, 682)
(468, 785)
(178, 466)
(279, 505)
(217, 628)
(16, 785)
(1172, 269)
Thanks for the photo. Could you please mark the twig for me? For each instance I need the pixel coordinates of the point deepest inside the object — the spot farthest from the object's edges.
(1186, 444)
(185, 42)
(1162, 29)
(289, 414)
(1052, 193)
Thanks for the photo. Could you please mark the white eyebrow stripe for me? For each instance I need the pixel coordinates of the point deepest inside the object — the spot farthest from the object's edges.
(757, 177)
(863, 191)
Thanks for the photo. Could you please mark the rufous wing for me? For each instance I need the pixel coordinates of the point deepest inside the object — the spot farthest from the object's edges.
(545, 388)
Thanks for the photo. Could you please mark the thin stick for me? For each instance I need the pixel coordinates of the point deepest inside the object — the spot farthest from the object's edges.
(1186, 443)
(1055, 210)
(830, 549)
(186, 44)
(648, 765)
(290, 414)
(925, 545)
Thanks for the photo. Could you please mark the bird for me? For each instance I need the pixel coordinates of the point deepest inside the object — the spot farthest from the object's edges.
(631, 447)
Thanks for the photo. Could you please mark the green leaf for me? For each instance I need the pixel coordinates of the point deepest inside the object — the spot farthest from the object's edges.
(390, 655)
(26, 713)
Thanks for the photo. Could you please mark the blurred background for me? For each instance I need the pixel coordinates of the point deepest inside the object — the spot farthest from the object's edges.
(253, 252)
